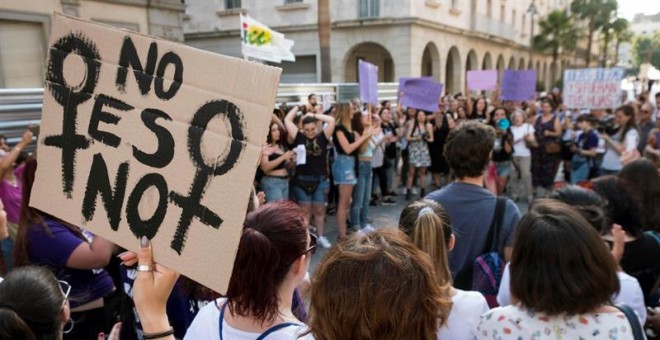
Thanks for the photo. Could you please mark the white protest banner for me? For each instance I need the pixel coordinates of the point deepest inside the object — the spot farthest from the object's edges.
(262, 43)
(146, 137)
(592, 88)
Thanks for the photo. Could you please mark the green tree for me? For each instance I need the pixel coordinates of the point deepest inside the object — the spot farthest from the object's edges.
(557, 32)
(621, 34)
(596, 13)
(609, 31)
(647, 50)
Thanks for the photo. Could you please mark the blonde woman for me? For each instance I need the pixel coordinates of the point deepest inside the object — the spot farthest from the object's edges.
(347, 143)
(428, 225)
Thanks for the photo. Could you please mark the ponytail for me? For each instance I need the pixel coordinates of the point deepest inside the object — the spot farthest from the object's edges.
(429, 237)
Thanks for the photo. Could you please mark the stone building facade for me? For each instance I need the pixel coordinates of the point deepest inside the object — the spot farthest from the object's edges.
(438, 38)
(25, 27)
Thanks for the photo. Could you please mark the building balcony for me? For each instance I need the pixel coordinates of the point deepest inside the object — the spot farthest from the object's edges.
(494, 27)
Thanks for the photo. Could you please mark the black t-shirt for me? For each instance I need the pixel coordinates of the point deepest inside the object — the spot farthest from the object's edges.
(350, 136)
(499, 153)
(317, 155)
(390, 150)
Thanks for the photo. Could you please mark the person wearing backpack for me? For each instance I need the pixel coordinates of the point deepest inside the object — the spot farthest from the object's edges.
(472, 209)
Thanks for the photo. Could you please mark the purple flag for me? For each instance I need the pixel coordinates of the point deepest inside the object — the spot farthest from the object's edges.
(482, 80)
(518, 85)
(422, 94)
(368, 76)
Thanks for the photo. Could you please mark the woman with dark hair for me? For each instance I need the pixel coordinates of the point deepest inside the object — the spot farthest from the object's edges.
(346, 142)
(641, 256)
(503, 149)
(622, 143)
(272, 260)
(78, 257)
(443, 122)
(33, 305)
(274, 162)
(420, 133)
(479, 110)
(562, 280)
(591, 207)
(545, 156)
(376, 286)
(644, 178)
(428, 225)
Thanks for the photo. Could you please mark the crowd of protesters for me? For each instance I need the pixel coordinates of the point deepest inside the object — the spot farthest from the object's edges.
(463, 262)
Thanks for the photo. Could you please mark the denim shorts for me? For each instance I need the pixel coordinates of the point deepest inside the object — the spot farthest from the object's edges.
(343, 170)
(275, 188)
(503, 168)
(317, 197)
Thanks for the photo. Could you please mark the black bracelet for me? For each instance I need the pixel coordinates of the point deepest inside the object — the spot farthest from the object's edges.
(168, 332)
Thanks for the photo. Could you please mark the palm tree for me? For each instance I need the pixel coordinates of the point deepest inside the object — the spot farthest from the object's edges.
(557, 32)
(621, 34)
(609, 30)
(597, 13)
(324, 39)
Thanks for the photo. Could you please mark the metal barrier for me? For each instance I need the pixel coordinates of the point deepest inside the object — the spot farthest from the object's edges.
(20, 108)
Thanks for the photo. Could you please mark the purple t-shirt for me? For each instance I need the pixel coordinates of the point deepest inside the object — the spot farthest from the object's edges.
(53, 251)
(12, 195)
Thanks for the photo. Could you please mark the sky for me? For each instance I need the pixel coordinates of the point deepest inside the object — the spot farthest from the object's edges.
(628, 8)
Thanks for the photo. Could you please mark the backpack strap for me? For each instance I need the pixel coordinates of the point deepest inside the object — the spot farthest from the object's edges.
(492, 239)
(264, 334)
(276, 328)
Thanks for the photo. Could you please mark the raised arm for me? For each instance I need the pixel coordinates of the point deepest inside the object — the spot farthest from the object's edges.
(291, 128)
(7, 163)
(329, 128)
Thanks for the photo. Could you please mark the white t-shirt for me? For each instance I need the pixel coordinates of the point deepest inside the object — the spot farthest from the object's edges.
(630, 293)
(611, 159)
(464, 316)
(520, 149)
(513, 322)
(206, 325)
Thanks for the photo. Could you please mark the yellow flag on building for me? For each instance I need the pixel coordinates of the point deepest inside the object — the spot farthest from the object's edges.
(260, 42)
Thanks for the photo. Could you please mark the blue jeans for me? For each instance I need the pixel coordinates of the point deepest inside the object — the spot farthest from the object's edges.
(580, 169)
(362, 195)
(275, 188)
(317, 197)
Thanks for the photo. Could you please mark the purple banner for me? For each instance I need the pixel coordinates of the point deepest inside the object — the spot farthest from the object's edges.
(482, 80)
(518, 85)
(422, 94)
(368, 76)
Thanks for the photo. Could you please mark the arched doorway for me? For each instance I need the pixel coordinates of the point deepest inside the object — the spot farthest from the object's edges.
(521, 64)
(453, 71)
(512, 63)
(471, 63)
(487, 63)
(530, 64)
(373, 53)
(500, 66)
(431, 62)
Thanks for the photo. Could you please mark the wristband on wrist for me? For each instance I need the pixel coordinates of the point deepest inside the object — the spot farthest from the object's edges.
(150, 336)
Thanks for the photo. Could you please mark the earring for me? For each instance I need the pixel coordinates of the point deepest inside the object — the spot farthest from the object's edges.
(69, 329)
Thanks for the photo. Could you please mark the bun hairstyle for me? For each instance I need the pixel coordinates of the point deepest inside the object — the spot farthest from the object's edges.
(31, 303)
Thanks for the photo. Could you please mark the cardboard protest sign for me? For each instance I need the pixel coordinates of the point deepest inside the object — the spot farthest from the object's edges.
(421, 94)
(482, 80)
(368, 82)
(146, 137)
(518, 85)
(402, 80)
(592, 88)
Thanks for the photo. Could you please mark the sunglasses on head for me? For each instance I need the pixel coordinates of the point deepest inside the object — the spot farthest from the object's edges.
(65, 287)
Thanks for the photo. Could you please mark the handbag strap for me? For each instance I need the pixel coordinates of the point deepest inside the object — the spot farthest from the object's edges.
(265, 333)
(638, 332)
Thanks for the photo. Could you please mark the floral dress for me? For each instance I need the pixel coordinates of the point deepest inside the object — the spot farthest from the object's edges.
(513, 322)
(419, 150)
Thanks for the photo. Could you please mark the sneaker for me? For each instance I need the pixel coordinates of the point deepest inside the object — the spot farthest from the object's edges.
(366, 229)
(414, 191)
(388, 201)
(323, 242)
